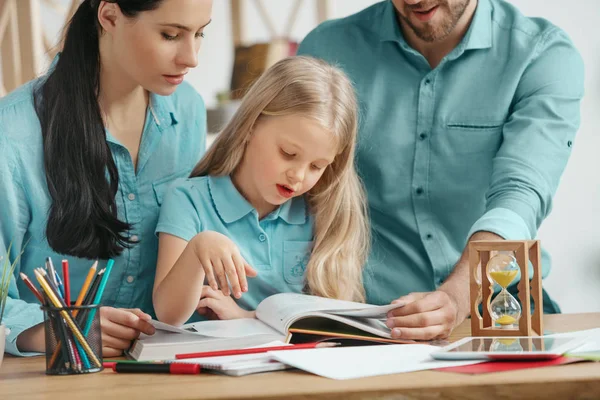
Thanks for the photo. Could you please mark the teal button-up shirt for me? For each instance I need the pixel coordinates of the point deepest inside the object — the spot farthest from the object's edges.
(173, 140)
(277, 246)
(476, 144)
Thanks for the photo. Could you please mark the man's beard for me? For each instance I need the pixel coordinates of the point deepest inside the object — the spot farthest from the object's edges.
(432, 33)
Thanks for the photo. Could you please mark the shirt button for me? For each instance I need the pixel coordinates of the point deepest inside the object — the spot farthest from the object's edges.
(134, 238)
(423, 136)
(131, 196)
(419, 190)
(262, 237)
(429, 236)
(427, 81)
(569, 143)
(130, 279)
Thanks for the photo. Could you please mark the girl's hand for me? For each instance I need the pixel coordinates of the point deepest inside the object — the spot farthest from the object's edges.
(215, 304)
(120, 326)
(221, 261)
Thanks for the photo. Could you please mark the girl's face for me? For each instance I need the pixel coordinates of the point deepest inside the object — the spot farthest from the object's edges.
(284, 158)
(157, 48)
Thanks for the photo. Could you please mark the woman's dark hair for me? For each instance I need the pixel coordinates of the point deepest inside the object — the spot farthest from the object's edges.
(81, 174)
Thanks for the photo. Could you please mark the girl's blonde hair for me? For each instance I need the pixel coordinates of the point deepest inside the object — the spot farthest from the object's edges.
(314, 89)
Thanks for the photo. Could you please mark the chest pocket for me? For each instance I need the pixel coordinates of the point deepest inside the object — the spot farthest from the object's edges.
(473, 137)
(295, 259)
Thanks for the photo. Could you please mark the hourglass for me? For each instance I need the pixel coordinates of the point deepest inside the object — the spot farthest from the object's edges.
(504, 308)
(500, 262)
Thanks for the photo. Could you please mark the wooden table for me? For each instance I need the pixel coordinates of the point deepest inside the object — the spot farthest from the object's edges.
(25, 378)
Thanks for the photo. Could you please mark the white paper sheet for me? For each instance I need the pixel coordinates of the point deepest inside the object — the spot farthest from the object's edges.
(364, 361)
(591, 336)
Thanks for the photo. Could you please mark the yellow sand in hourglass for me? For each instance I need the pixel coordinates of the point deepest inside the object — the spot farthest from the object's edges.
(504, 309)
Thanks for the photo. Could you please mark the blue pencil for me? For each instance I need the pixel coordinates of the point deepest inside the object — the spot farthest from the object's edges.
(59, 285)
(101, 287)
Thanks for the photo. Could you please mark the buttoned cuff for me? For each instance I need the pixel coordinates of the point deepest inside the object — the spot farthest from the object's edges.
(503, 222)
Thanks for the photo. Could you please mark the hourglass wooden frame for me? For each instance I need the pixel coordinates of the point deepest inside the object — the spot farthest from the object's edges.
(525, 251)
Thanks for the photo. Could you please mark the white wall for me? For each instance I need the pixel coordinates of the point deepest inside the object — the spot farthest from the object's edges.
(571, 231)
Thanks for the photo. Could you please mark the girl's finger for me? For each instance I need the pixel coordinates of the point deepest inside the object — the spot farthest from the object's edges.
(210, 276)
(239, 266)
(232, 275)
(221, 276)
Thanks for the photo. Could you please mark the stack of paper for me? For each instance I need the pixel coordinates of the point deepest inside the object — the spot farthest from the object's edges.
(239, 365)
(590, 350)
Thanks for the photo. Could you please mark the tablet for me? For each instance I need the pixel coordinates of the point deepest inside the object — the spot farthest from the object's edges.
(507, 348)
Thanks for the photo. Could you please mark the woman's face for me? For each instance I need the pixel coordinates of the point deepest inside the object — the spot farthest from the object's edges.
(155, 49)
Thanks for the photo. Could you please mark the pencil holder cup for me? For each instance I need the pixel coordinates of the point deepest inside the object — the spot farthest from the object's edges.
(73, 340)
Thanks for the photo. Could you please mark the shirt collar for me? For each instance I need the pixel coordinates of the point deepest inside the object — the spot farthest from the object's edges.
(478, 36)
(232, 206)
(293, 212)
(390, 28)
(162, 110)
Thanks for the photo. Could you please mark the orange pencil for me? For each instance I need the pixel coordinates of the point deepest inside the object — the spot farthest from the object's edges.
(86, 286)
(32, 287)
(254, 350)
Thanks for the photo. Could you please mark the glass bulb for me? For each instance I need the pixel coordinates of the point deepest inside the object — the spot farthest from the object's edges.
(504, 308)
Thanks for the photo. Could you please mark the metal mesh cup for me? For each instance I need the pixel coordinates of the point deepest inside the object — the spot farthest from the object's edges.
(73, 340)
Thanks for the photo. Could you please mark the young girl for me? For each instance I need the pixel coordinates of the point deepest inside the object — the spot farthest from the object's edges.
(86, 152)
(276, 198)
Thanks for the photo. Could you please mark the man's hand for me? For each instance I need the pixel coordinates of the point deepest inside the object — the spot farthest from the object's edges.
(426, 316)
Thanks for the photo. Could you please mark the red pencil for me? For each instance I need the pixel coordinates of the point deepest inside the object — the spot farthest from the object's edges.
(32, 288)
(255, 350)
(66, 285)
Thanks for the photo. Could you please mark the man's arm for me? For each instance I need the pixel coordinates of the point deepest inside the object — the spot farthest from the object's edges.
(537, 141)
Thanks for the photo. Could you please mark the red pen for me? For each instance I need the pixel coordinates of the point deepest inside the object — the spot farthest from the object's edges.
(255, 350)
(66, 284)
(172, 368)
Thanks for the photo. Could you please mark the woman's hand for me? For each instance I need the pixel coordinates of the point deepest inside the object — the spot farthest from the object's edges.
(120, 326)
(215, 305)
(221, 261)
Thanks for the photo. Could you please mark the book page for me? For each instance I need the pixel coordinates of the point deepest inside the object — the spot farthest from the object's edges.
(219, 328)
(280, 310)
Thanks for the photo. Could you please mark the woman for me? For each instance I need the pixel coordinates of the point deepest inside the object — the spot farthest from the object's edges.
(87, 151)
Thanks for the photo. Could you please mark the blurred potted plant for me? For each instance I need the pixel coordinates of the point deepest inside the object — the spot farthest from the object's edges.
(7, 271)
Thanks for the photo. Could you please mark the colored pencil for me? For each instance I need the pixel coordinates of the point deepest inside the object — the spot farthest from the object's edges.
(255, 350)
(66, 283)
(86, 285)
(92, 314)
(32, 287)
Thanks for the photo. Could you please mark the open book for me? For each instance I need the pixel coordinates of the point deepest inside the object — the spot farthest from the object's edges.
(290, 317)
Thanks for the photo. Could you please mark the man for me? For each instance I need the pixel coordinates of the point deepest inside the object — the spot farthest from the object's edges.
(468, 114)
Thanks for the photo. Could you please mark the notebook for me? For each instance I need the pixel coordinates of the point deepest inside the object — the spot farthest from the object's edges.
(239, 365)
(289, 317)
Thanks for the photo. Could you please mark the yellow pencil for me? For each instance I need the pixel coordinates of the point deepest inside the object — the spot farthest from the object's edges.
(85, 287)
(67, 318)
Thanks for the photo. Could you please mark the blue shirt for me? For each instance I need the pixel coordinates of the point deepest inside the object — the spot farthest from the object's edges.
(277, 246)
(173, 140)
(477, 143)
